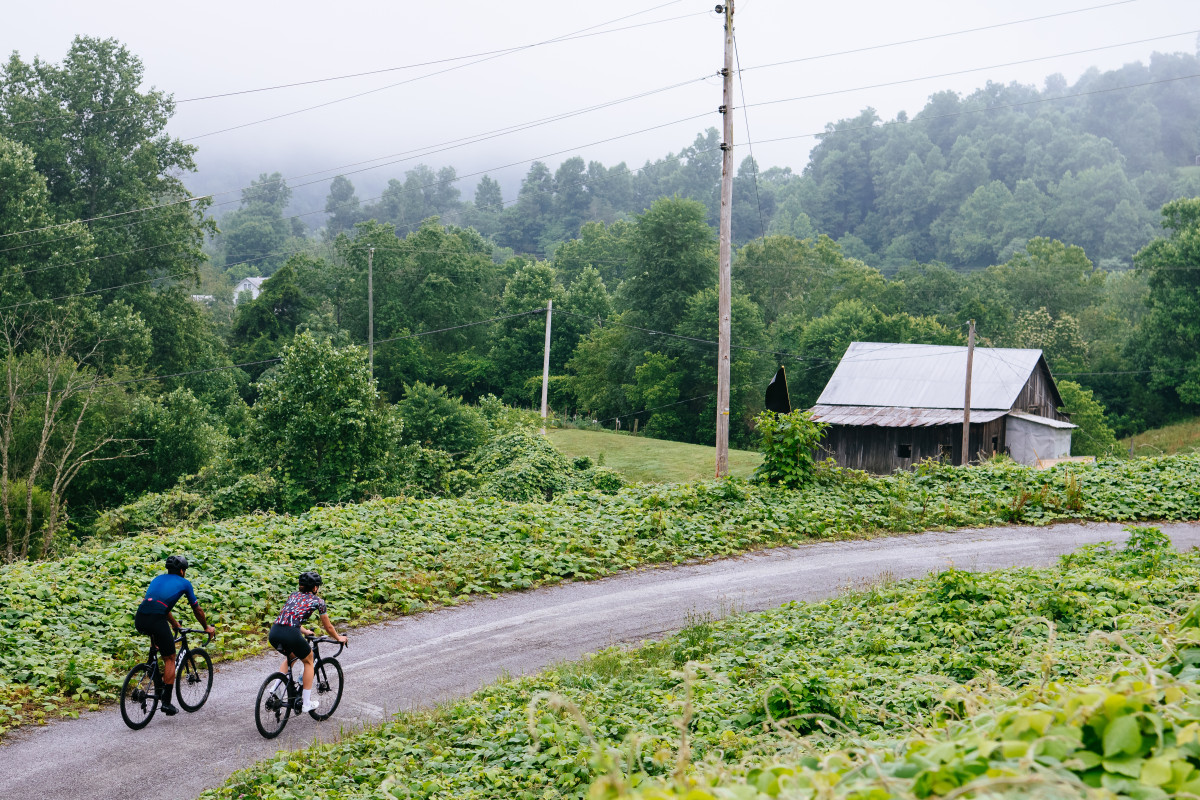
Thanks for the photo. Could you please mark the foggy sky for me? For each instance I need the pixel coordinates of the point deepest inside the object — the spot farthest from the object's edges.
(192, 50)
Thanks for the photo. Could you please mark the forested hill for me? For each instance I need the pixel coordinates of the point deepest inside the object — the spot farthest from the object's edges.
(966, 181)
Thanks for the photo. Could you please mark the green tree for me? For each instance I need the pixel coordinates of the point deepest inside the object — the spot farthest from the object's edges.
(342, 206)
(103, 148)
(1093, 437)
(1172, 328)
(673, 255)
(319, 424)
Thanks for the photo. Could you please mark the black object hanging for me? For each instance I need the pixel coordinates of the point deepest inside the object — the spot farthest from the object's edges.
(778, 399)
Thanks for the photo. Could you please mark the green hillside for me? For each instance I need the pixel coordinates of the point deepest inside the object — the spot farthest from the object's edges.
(646, 460)
(1182, 437)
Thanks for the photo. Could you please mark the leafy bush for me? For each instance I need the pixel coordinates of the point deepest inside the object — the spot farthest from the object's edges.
(319, 424)
(433, 419)
(523, 465)
(788, 442)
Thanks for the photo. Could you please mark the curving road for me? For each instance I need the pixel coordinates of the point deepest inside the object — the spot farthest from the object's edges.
(422, 660)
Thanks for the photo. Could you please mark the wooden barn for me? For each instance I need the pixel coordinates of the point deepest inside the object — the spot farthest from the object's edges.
(891, 405)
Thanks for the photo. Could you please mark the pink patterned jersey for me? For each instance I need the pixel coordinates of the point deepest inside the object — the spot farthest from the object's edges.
(298, 608)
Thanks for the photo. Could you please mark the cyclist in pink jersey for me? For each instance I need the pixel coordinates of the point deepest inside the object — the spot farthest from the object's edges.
(288, 632)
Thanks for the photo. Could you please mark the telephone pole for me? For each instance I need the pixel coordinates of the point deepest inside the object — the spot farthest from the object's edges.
(724, 283)
(546, 364)
(966, 443)
(371, 310)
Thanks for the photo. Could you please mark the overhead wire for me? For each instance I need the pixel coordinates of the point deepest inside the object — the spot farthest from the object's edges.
(421, 77)
(762, 226)
(969, 71)
(368, 73)
(945, 35)
(188, 373)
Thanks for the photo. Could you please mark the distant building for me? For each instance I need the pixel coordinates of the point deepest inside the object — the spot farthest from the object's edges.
(251, 285)
(891, 405)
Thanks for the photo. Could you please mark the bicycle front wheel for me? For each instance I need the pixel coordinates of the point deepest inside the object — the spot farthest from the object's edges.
(193, 679)
(139, 700)
(328, 683)
(273, 707)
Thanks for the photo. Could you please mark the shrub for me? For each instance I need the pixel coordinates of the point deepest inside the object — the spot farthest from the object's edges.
(788, 442)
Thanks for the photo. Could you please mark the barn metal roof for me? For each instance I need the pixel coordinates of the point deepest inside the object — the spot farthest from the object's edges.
(1050, 423)
(893, 417)
(926, 376)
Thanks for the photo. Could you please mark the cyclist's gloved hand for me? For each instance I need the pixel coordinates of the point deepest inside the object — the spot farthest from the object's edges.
(210, 630)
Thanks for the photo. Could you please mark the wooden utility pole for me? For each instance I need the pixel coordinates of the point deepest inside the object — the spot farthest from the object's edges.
(725, 280)
(371, 310)
(546, 364)
(966, 444)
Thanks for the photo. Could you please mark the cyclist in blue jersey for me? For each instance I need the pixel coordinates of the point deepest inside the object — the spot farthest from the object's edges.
(154, 619)
(288, 632)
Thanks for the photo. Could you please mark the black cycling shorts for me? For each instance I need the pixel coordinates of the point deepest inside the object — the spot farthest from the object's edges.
(158, 629)
(289, 641)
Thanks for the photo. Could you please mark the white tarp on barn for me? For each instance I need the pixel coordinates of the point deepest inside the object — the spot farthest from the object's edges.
(1031, 438)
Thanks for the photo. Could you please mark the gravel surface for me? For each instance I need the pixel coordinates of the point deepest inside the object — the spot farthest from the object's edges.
(418, 661)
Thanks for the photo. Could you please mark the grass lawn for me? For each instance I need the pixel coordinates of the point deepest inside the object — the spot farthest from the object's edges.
(1182, 437)
(647, 460)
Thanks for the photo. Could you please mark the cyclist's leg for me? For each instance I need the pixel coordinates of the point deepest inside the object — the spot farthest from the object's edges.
(161, 636)
(308, 671)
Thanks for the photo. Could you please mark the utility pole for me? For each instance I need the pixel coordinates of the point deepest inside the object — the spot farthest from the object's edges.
(371, 310)
(546, 364)
(966, 443)
(725, 280)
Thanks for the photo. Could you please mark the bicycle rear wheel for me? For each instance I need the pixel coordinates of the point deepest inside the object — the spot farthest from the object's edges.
(273, 707)
(328, 683)
(139, 700)
(193, 679)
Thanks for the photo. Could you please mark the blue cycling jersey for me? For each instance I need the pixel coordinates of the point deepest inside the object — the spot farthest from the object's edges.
(164, 591)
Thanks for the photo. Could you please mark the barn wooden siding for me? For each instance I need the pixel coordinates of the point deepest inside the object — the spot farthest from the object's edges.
(1040, 396)
(877, 449)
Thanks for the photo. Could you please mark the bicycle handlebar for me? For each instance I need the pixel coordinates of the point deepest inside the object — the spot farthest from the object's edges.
(197, 630)
(341, 645)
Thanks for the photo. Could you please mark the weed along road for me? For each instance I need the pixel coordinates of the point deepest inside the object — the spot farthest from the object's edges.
(422, 660)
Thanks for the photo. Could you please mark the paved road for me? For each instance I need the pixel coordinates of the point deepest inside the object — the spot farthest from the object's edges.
(422, 660)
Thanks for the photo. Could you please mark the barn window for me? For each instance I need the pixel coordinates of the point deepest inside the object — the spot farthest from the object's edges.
(904, 451)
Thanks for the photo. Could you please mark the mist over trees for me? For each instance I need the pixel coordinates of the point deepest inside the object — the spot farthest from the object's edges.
(1063, 219)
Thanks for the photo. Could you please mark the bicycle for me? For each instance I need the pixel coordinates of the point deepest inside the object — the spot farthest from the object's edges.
(140, 693)
(280, 695)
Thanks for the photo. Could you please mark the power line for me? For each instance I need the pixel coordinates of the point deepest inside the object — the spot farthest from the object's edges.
(973, 69)
(422, 151)
(556, 39)
(941, 35)
(762, 227)
(368, 73)
(656, 408)
(280, 358)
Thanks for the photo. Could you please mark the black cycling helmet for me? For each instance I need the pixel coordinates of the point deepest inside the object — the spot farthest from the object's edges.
(309, 581)
(176, 563)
